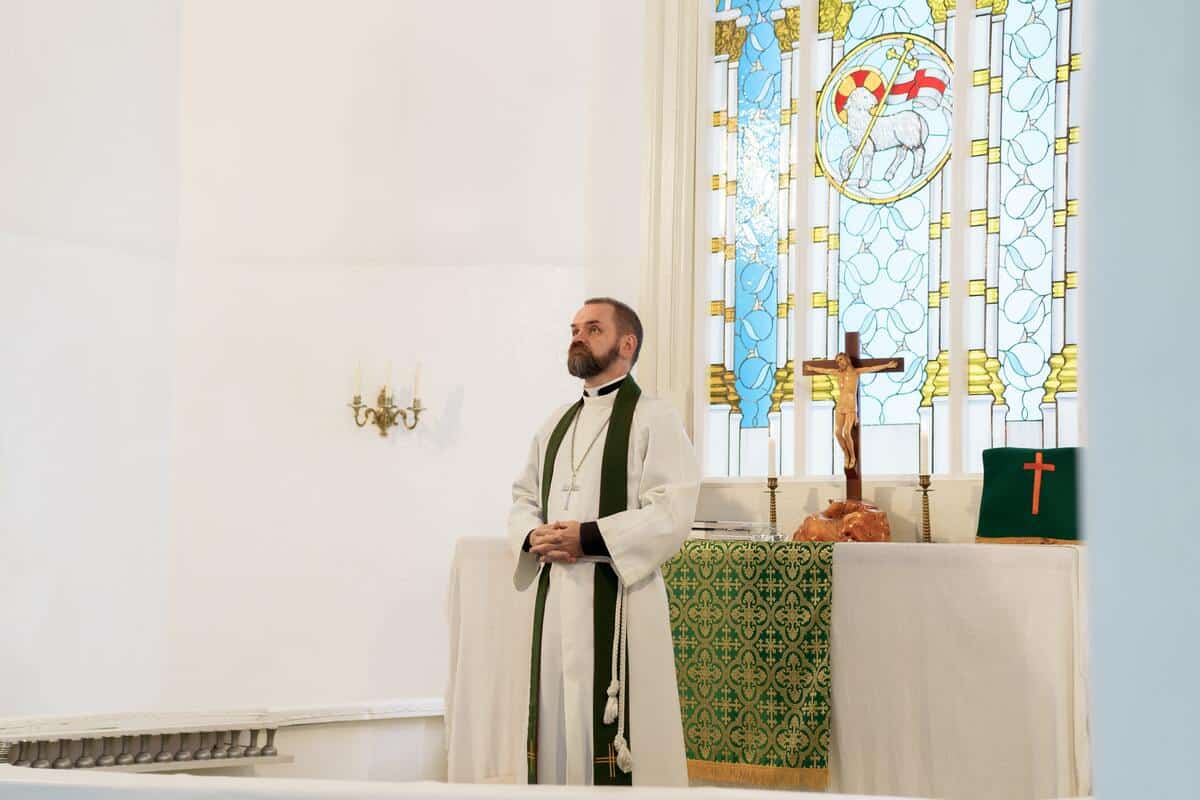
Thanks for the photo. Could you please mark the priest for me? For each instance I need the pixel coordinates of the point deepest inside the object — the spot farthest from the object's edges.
(607, 495)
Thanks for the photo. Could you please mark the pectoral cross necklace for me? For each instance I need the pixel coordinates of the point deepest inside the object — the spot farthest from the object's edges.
(572, 487)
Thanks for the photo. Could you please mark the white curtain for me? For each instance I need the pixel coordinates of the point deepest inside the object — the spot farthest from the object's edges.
(677, 32)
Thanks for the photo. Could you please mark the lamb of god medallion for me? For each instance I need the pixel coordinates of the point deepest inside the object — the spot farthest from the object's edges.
(883, 118)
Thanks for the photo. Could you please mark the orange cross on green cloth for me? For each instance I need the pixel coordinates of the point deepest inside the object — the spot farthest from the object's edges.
(1038, 468)
(1013, 510)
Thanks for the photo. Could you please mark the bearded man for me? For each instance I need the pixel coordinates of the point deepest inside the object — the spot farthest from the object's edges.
(608, 494)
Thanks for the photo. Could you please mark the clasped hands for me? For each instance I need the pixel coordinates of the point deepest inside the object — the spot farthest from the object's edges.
(556, 542)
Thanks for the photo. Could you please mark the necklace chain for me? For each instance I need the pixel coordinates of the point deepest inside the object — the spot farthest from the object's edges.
(576, 467)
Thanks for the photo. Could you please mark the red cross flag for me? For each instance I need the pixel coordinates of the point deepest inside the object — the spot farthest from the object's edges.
(925, 86)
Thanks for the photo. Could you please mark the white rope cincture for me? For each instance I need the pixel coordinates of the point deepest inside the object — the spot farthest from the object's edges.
(612, 705)
(616, 689)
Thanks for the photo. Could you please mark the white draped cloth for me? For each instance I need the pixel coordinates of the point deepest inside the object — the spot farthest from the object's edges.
(662, 489)
(959, 670)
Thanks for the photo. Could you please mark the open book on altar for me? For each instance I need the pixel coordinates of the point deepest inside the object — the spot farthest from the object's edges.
(735, 531)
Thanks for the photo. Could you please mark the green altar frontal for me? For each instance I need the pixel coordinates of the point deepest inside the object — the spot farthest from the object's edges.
(750, 621)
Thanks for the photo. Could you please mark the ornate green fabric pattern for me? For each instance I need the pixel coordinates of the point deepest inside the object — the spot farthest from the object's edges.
(751, 622)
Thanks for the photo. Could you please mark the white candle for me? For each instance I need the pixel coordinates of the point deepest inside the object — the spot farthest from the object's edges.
(417, 382)
(925, 454)
(772, 455)
(358, 380)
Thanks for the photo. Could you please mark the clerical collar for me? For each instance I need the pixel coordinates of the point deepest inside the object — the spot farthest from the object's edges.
(600, 391)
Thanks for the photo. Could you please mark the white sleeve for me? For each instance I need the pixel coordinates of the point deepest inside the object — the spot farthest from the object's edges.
(525, 515)
(526, 511)
(641, 540)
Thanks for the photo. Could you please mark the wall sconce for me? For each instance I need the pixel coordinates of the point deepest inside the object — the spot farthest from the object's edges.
(386, 414)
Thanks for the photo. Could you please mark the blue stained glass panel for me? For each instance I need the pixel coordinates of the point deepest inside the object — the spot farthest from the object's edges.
(757, 211)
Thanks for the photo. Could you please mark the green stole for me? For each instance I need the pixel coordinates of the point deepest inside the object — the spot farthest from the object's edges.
(614, 474)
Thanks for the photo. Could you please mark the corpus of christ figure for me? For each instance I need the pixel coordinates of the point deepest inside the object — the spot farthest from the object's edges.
(851, 519)
(845, 369)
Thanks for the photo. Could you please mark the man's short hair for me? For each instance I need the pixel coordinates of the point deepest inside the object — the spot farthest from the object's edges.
(626, 318)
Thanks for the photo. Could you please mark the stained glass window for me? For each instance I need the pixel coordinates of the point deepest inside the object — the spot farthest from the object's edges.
(863, 233)
(750, 326)
(883, 133)
(1023, 257)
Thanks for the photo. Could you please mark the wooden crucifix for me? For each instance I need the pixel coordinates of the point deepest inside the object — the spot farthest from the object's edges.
(845, 369)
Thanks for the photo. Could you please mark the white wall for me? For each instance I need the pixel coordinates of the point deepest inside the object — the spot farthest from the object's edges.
(87, 237)
(1140, 480)
(379, 750)
(375, 182)
(213, 211)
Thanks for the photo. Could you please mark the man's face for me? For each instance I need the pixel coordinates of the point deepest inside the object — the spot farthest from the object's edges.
(842, 360)
(595, 344)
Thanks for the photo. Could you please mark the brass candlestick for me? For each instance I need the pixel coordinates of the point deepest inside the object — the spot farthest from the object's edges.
(926, 532)
(772, 486)
(385, 414)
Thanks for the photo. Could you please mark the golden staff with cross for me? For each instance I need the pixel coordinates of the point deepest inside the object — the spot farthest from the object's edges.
(902, 60)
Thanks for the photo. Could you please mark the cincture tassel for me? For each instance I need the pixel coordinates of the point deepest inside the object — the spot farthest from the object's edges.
(614, 707)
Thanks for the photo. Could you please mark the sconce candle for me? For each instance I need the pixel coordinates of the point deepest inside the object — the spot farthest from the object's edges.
(385, 414)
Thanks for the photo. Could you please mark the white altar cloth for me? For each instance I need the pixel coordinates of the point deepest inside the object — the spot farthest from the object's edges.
(959, 671)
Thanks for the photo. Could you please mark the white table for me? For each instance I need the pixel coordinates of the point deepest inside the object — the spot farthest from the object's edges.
(959, 671)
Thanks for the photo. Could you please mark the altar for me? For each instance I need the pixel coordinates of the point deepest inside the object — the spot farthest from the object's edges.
(952, 670)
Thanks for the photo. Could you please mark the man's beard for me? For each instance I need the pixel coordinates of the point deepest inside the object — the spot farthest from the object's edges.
(582, 364)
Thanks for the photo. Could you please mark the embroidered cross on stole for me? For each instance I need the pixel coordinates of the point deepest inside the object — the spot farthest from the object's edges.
(614, 474)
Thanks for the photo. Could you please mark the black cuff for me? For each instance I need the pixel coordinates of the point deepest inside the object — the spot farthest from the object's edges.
(591, 541)
(525, 547)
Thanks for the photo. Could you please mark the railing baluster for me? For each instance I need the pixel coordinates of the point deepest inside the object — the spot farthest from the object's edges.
(125, 757)
(183, 753)
(203, 752)
(63, 761)
(164, 751)
(220, 750)
(85, 759)
(106, 758)
(236, 750)
(144, 756)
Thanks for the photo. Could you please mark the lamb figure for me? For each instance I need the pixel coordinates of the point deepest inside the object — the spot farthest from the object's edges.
(904, 131)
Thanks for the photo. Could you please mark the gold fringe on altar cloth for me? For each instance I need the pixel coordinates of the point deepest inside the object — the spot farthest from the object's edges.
(757, 775)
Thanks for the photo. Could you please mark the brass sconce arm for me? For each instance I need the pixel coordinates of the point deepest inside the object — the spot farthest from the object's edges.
(385, 414)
